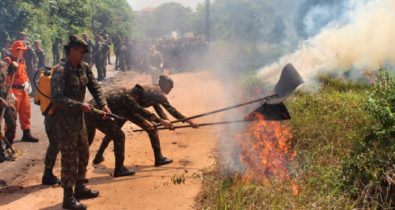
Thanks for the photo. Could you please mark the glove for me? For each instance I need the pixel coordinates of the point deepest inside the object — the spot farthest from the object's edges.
(28, 87)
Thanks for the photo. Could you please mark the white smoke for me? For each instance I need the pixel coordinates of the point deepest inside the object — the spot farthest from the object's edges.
(361, 39)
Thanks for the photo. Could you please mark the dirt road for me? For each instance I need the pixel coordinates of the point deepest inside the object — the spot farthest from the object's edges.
(151, 187)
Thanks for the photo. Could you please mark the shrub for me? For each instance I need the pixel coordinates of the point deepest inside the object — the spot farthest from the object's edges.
(368, 174)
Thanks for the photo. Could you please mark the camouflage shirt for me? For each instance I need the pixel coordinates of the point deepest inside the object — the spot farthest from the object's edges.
(3, 76)
(68, 87)
(123, 104)
(153, 96)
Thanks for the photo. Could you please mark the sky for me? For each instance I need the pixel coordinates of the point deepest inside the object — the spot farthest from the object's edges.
(141, 4)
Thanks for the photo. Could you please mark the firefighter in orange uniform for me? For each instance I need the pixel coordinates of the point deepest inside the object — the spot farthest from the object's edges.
(20, 87)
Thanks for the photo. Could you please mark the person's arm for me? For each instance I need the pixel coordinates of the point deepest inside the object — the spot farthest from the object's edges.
(160, 112)
(139, 112)
(57, 93)
(173, 111)
(95, 89)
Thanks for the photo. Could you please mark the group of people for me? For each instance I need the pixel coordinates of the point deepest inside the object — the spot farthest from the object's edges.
(99, 53)
(70, 122)
(34, 57)
(185, 53)
(17, 66)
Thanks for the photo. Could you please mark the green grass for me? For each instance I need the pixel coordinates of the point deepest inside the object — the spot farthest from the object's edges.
(325, 126)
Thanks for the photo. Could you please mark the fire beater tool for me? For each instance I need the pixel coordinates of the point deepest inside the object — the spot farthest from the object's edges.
(272, 108)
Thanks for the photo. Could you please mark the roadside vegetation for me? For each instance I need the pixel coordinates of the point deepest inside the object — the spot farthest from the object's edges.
(343, 137)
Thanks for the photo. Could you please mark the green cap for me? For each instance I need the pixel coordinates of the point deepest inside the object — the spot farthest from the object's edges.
(75, 41)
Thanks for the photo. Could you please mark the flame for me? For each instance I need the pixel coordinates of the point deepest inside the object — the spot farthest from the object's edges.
(264, 152)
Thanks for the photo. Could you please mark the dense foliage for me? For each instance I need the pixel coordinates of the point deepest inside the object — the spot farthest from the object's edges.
(47, 19)
(369, 172)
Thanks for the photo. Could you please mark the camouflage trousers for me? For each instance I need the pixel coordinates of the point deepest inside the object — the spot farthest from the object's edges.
(113, 131)
(53, 146)
(100, 71)
(10, 117)
(74, 148)
(152, 134)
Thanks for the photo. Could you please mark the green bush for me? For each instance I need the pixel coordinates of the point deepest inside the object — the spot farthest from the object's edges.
(369, 171)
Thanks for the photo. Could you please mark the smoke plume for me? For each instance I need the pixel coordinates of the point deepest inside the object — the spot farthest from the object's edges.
(359, 39)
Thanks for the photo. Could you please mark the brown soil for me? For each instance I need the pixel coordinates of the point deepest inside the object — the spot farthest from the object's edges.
(152, 187)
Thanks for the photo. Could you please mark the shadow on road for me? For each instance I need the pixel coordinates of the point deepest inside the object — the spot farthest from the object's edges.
(13, 193)
(54, 207)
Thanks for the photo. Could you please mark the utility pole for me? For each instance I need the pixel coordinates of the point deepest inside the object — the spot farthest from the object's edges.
(208, 25)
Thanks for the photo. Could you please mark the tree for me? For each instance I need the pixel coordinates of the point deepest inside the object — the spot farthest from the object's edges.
(114, 17)
(165, 19)
(47, 19)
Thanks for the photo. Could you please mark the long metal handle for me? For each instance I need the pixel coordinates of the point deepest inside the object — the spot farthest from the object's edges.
(200, 125)
(267, 98)
(111, 115)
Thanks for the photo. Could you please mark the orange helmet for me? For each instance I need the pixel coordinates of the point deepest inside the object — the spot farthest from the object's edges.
(16, 47)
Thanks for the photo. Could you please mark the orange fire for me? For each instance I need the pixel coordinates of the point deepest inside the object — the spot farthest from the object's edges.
(264, 151)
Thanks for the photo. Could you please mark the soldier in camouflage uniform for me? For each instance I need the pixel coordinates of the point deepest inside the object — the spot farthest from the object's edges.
(53, 147)
(10, 115)
(107, 39)
(88, 56)
(105, 51)
(68, 88)
(40, 53)
(98, 58)
(56, 50)
(31, 61)
(41, 62)
(52, 151)
(147, 96)
(122, 103)
(155, 64)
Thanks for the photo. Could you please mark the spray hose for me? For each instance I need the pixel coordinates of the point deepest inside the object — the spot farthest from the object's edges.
(94, 110)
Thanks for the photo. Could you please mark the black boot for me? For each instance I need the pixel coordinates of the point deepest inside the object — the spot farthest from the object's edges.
(103, 146)
(122, 171)
(49, 178)
(159, 158)
(98, 159)
(70, 202)
(27, 136)
(82, 192)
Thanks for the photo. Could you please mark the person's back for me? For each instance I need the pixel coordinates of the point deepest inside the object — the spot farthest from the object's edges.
(56, 51)
(41, 60)
(30, 58)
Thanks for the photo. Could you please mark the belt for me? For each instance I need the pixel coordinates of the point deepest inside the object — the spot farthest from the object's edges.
(18, 86)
